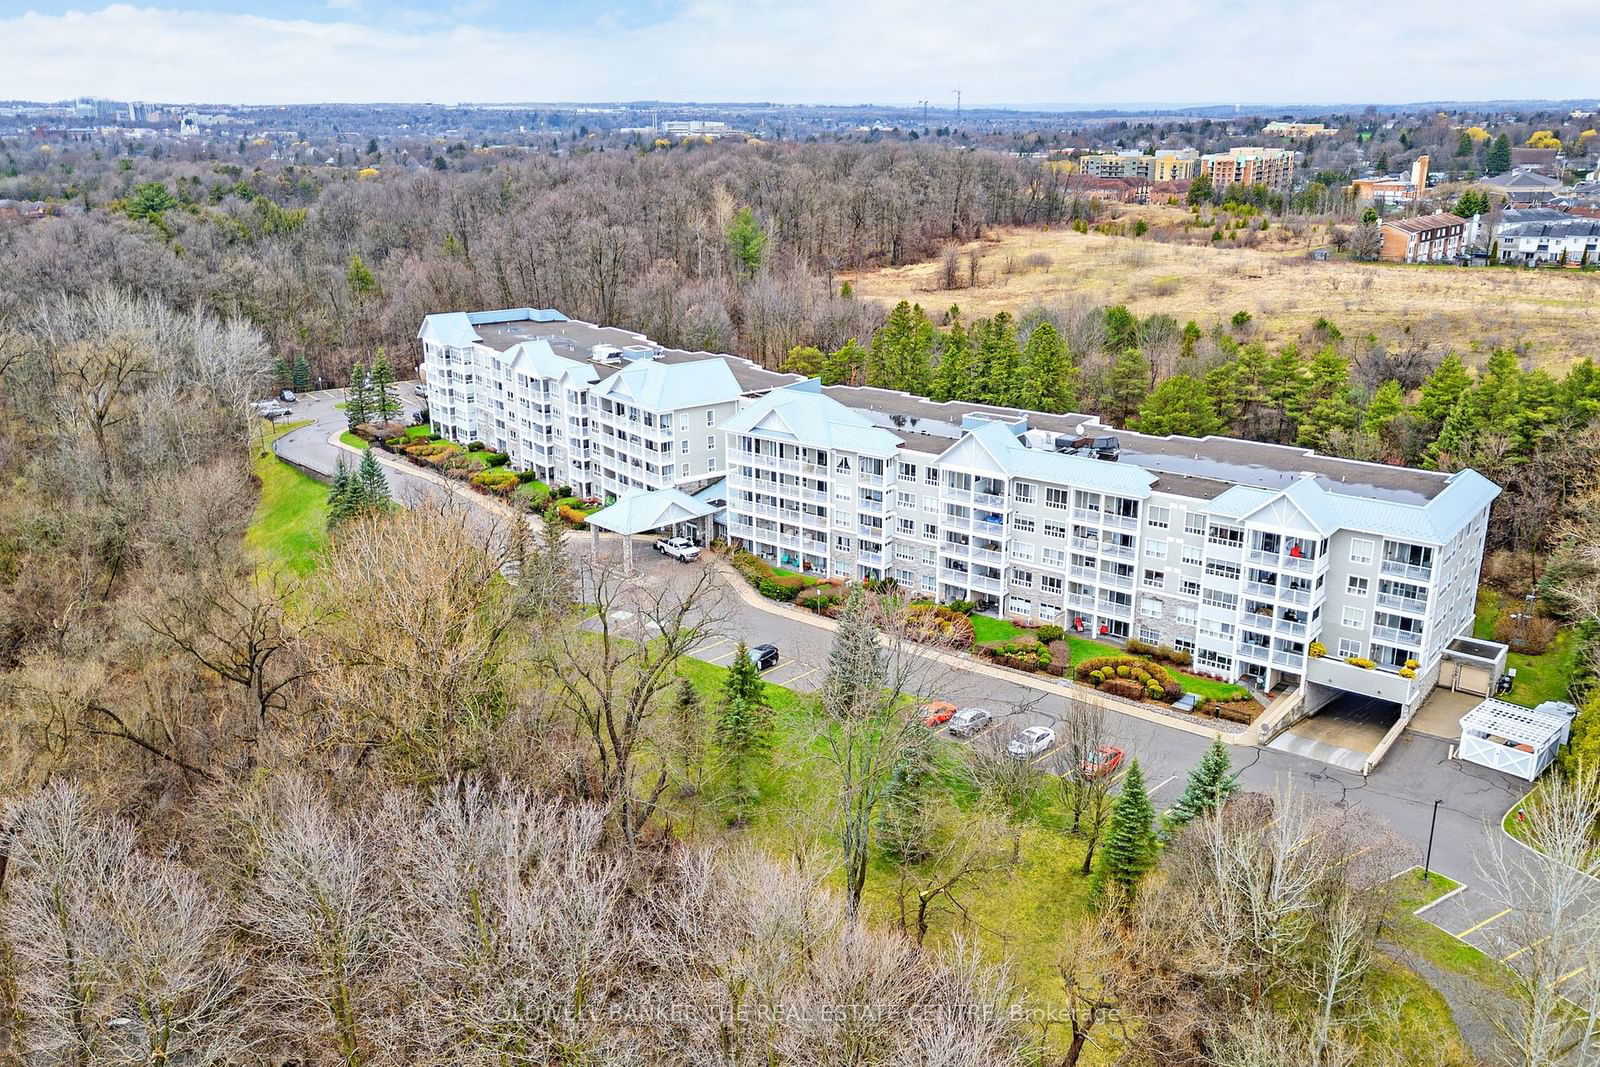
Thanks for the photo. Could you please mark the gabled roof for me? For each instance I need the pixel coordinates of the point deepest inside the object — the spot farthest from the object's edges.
(1326, 510)
(538, 360)
(1521, 179)
(811, 418)
(640, 510)
(657, 386)
(452, 329)
(1019, 461)
(1421, 223)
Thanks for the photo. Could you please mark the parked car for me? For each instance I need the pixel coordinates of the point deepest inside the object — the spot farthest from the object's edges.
(1031, 742)
(271, 409)
(936, 713)
(421, 390)
(1101, 762)
(968, 722)
(680, 548)
(287, 396)
(765, 657)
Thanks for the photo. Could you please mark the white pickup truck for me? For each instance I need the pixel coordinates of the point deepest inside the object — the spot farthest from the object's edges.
(680, 548)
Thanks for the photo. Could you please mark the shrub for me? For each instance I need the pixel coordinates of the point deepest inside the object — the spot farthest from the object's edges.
(1244, 711)
(1153, 691)
(1123, 687)
(496, 481)
(495, 459)
(1123, 670)
(1528, 636)
(772, 589)
(1167, 654)
(1412, 664)
(477, 446)
(1407, 672)
(965, 607)
(1050, 633)
(1097, 677)
(1317, 650)
(1140, 648)
(936, 623)
(1360, 661)
(527, 476)
(571, 515)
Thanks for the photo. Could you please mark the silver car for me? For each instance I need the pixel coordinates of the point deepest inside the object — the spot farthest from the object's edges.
(1031, 742)
(969, 721)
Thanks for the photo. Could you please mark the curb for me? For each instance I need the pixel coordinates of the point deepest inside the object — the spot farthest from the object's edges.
(448, 484)
(962, 663)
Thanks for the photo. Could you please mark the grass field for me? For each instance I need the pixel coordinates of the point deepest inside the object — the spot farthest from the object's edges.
(1471, 310)
(291, 518)
(1546, 676)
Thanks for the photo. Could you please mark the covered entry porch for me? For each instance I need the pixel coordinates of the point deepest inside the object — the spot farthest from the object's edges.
(668, 511)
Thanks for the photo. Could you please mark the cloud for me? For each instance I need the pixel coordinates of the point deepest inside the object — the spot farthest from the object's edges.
(824, 51)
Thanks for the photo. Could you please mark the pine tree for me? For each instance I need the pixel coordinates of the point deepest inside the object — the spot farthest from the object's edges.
(1327, 405)
(1049, 380)
(686, 717)
(1388, 402)
(1443, 390)
(282, 374)
(374, 486)
(1180, 405)
(300, 375)
(1210, 785)
(901, 826)
(953, 378)
(1121, 329)
(1000, 360)
(1191, 338)
(357, 398)
(845, 365)
(1498, 159)
(1126, 386)
(1130, 848)
(744, 730)
(358, 276)
(342, 502)
(747, 241)
(803, 360)
(381, 398)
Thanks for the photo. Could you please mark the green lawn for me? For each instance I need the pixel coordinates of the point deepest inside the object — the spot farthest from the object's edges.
(1547, 676)
(988, 630)
(291, 518)
(360, 444)
(1428, 941)
(1083, 648)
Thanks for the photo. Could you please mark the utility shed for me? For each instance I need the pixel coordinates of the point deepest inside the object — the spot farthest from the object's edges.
(1509, 737)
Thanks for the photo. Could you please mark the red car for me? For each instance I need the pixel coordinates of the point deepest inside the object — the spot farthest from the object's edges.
(936, 713)
(1101, 762)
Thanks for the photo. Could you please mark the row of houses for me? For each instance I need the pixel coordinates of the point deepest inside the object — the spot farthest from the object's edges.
(1272, 167)
(1526, 236)
(1270, 564)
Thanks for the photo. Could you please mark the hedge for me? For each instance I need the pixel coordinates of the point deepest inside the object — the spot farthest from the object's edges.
(572, 516)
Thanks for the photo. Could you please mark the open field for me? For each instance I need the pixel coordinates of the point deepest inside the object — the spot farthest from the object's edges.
(1555, 312)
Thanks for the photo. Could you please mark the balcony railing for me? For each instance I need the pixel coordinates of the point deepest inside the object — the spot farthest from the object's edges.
(1088, 574)
(1288, 659)
(1121, 522)
(1085, 544)
(988, 585)
(872, 559)
(1261, 589)
(869, 479)
(989, 500)
(1255, 653)
(985, 555)
(1075, 600)
(1116, 551)
(1415, 605)
(1118, 581)
(1113, 608)
(1298, 564)
(1395, 636)
(1407, 570)
(1284, 626)
(1295, 596)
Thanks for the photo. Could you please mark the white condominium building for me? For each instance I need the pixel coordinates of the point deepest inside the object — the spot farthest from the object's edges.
(1243, 554)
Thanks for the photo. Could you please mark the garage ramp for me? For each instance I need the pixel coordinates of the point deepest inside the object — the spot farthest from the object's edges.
(1342, 734)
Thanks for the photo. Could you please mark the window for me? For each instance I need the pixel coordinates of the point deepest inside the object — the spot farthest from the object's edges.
(1184, 644)
(1185, 614)
(1192, 556)
(711, 465)
(1056, 499)
(711, 417)
(1189, 587)
(1222, 570)
(1353, 618)
(908, 471)
(666, 422)
(907, 526)
(843, 543)
(1022, 551)
(1356, 586)
(711, 443)
(1155, 549)
(684, 447)
(1022, 579)
(1047, 612)
(1160, 518)
(930, 531)
(1360, 550)
(1150, 607)
(1019, 607)
(1155, 579)
(1056, 530)
(1194, 524)
(1023, 491)
(1215, 599)
(930, 476)
(1050, 584)
(1349, 646)
(930, 503)
(1053, 557)
(906, 500)
(1022, 524)
(1149, 636)
(928, 583)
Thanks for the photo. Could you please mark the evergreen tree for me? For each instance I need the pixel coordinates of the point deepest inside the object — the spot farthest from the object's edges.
(1443, 390)
(1200, 189)
(1121, 329)
(1459, 428)
(282, 374)
(845, 365)
(300, 375)
(1126, 386)
(381, 398)
(1284, 388)
(1498, 159)
(374, 494)
(1210, 785)
(1179, 405)
(357, 398)
(747, 241)
(1327, 405)
(1498, 395)
(901, 826)
(358, 276)
(686, 718)
(1388, 402)
(1049, 380)
(953, 379)
(999, 360)
(343, 500)
(1191, 338)
(744, 732)
(1130, 848)
(902, 351)
(804, 360)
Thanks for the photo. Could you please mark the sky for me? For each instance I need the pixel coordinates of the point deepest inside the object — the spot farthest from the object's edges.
(998, 52)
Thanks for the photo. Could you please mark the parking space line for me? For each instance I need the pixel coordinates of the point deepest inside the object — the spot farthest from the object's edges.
(722, 657)
(1479, 926)
(1163, 785)
(1524, 948)
(808, 672)
(700, 653)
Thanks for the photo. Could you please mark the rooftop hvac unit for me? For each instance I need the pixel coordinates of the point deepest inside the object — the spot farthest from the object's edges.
(1105, 447)
(636, 352)
(610, 355)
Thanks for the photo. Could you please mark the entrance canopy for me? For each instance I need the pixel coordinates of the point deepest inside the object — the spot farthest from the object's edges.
(1509, 737)
(642, 510)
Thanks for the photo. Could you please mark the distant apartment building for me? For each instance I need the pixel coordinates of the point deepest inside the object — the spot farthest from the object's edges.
(1533, 236)
(1266, 563)
(1393, 188)
(1297, 129)
(1436, 238)
(1166, 165)
(1272, 167)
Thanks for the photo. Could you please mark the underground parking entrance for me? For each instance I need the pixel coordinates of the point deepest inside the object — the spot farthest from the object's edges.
(1344, 732)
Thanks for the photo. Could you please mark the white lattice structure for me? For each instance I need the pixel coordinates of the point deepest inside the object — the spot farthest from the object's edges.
(1509, 737)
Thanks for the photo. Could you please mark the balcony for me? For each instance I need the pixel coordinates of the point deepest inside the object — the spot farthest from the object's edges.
(1255, 653)
(1284, 626)
(1085, 544)
(872, 507)
(1116, 551)
(1078, 601)
(1295, 596)
(1111, 607)
(1261, 589)
(1120, 522)
(1296, 660)
(987, 584)
(985, 555)
(989, 500)
(1087, 515)
(1414, 605)
(1088, 574)
(1298, 564)
(1117, 581)
(1407, 570)
(1392, 635)
(867, 479)
(871, 559)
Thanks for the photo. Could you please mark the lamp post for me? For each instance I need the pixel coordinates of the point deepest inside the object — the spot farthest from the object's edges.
(1427, 859)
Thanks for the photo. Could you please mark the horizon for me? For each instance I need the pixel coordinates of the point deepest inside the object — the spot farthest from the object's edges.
(307, 52)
